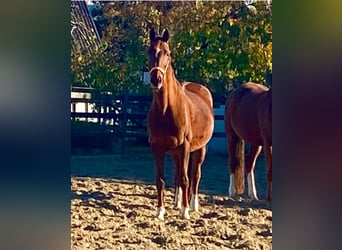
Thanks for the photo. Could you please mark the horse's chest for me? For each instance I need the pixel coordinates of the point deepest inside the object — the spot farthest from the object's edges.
(170, 123)
(166, 138)
(166, 142)
(166, 132)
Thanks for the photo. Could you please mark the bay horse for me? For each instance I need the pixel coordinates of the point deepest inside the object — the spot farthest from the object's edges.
(248, 117)
(180, 122)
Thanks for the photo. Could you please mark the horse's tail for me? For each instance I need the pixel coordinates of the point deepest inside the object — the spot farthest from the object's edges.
(239, 176)
(236, 150)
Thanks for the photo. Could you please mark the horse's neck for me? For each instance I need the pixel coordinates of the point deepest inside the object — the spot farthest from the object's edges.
(166, 97)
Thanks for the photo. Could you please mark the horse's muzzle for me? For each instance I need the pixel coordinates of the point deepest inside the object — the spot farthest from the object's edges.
(157, 77)
(156, 83)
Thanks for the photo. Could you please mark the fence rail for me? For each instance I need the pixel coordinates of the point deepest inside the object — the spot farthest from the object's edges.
(109, 116)
(119, 117)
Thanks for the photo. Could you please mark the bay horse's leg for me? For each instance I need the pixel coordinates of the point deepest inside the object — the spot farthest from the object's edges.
(236, 164)
(251, 158)
(160, 181)
(178, 190)
(268, 158)
(197, 159)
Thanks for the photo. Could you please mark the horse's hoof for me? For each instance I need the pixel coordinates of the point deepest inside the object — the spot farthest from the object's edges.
(160, 213)
(231, 191)
(253, 197)
(178, 205)
(185, 213)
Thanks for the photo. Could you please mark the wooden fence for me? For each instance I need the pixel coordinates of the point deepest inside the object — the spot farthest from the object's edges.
(119, 117)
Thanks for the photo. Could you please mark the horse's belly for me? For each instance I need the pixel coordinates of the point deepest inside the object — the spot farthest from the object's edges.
(250, 129)
(202, 128)
(200, 140)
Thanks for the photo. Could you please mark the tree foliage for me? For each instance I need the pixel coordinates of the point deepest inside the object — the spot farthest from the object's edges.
(216, 43)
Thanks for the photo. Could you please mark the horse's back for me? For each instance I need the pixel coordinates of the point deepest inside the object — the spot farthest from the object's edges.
(248, 112)
(249, 89)
(199, 90)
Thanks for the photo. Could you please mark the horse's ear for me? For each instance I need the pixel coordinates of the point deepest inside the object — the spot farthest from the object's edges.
(165, 35)
(152, 35)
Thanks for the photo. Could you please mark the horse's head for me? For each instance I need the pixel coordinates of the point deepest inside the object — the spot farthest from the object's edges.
(159, 58)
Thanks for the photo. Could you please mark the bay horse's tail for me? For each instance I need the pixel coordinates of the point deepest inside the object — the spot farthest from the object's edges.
(239, 176)
(236, 152)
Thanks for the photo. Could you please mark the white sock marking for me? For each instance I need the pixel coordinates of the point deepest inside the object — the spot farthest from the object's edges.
(251, 186)
(185, 213)
(160, 213)
(178, 198)
(194, 202)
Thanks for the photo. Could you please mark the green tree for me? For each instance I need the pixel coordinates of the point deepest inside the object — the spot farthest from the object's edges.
(214, 43)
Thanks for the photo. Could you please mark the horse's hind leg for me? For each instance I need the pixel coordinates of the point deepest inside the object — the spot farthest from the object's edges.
(268, 158)
(197, 159)
(253, 154)
(160, 181)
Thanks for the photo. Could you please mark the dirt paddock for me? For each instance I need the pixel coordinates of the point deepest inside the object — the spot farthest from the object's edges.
(113, 199)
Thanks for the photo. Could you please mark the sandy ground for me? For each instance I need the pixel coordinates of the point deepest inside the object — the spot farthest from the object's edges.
(113, 206)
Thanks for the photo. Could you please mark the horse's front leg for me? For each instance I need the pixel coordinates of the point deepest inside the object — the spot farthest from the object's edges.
(184, 180)
(160, 181)
(197, 160)
(178, 190)
(181, 159)
(178, 193)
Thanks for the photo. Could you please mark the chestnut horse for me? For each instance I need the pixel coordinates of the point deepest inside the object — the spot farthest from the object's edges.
(248, 117)
(180, 122)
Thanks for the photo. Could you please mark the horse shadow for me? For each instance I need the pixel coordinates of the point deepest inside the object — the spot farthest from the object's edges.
(241, 202)
(95, 199)
(99, 199)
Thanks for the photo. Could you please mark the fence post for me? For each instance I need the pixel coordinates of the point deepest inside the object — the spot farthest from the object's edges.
(123, 122)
